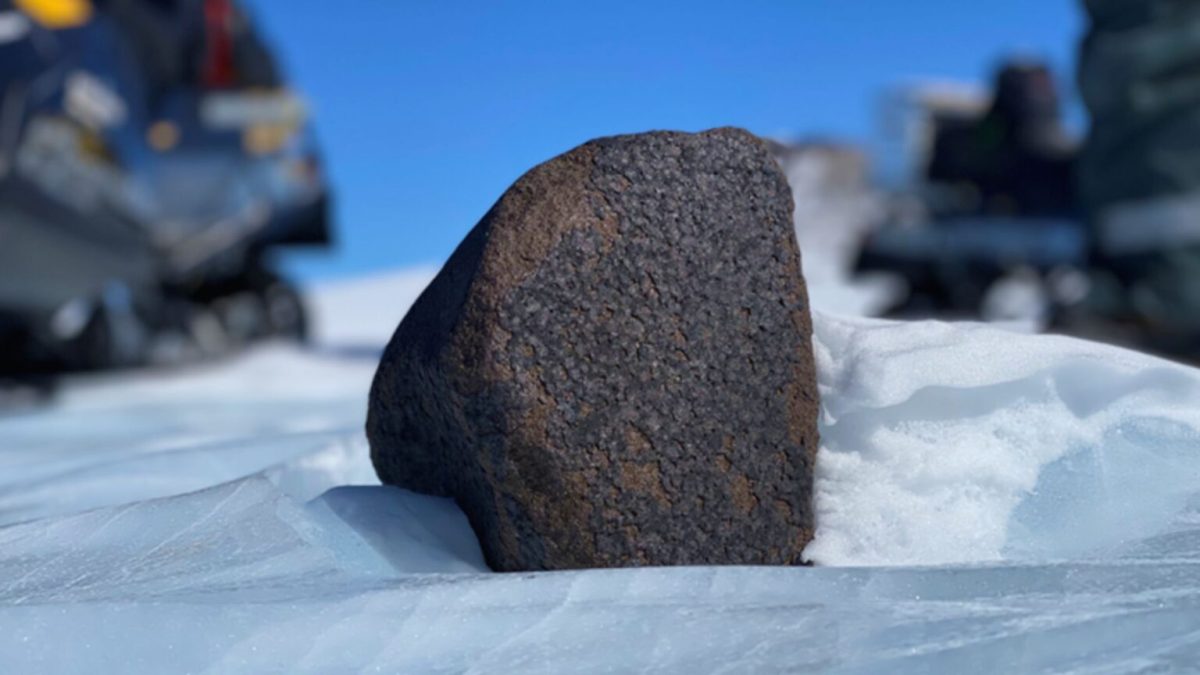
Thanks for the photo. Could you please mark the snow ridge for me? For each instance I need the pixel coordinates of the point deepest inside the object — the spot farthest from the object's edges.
(966, 443)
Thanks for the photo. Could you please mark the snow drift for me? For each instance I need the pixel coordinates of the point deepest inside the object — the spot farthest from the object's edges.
(966, 443)
(1024, 500)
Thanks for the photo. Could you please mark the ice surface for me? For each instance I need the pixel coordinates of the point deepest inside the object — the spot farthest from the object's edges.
(295, 414)
(1028, 503)
(111, 441)
(240, 578)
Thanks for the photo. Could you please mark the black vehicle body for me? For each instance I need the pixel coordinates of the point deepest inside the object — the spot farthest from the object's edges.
(150, 160)
(994, 195)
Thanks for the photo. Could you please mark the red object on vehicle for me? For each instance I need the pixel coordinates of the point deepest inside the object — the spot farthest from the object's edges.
(219, 71)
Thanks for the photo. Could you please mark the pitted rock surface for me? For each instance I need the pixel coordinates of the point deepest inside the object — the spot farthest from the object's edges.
(615, 367)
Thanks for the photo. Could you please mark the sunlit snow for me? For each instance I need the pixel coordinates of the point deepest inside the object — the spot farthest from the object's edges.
(987, 500)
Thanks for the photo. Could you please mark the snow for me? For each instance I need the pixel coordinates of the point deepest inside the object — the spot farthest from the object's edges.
(239, 578)
(116, 440)
(835, 209)
(364, 312)
(985, 498)
(966, 443)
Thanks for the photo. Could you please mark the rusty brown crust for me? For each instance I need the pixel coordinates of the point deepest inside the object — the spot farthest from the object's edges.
(615, 366)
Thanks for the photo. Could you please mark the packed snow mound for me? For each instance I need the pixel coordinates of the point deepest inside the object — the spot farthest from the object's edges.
(959, 443)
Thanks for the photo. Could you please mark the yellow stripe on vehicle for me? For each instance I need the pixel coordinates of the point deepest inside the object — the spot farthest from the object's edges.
(57, 14)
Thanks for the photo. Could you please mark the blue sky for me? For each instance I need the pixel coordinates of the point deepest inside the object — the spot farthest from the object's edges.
(429, 110)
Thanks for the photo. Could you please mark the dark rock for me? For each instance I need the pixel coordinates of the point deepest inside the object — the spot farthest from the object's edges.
(615, 366)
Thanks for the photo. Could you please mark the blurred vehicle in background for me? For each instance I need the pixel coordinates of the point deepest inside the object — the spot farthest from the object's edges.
(1007, 217)
(1139, 175)
(151, 159)
(984, 221)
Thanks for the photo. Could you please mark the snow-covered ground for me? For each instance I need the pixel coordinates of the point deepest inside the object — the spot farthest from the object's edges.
(988, 501)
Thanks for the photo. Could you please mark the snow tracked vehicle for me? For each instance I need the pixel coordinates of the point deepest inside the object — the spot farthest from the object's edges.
(986, 222)
(1008, 218)
(151, 159)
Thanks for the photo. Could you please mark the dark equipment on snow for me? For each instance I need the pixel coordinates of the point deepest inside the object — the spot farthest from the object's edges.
(995, 197)
(1106, 239)
(1139, 175)
(1014, 161)
(151, 159)
(1139, 75)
